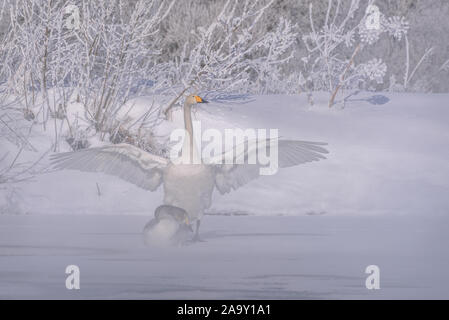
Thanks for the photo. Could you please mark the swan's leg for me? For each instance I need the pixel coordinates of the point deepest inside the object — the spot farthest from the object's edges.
(196, 237)
(197, 230)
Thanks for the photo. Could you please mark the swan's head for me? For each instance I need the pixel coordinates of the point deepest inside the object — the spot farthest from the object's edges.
(194, 99)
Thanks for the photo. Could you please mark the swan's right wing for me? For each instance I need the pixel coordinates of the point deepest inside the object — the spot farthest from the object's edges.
(290, 153)
(121, 160)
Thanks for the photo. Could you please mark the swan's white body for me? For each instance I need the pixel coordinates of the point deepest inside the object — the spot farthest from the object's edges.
(187, 186)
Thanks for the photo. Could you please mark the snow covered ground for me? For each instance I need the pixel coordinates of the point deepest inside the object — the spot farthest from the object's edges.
(309, 232)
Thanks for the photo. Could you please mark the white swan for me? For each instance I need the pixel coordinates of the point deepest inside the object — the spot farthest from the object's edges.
(187, 186)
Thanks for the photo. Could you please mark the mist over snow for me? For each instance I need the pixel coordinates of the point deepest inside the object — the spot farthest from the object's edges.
(384, 159)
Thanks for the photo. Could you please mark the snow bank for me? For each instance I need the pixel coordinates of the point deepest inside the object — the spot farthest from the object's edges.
(388, 155)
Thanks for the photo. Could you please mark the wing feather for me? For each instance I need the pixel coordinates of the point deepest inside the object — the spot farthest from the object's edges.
(290, 153)
(122, 160)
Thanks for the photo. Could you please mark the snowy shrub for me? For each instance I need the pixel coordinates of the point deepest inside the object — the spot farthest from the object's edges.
(11, 200)
(374, 70)
(332, 49)
(13, 170)
(15, 129)
(229, 55)
(78, 135)
(118, 50)
(100, 62)
(40, 59)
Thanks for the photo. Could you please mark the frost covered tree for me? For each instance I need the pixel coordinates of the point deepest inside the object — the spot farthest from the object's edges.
(229, 55)
(40, 60)
(101, 52)
(123, 49)
(117, 59)
(331, 64)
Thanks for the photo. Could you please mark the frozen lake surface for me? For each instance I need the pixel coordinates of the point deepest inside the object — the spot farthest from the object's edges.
(242, 257)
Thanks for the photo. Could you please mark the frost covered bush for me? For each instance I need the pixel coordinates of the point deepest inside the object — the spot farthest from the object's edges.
(11, 200)
(97, 57)
(167, 48)
(232, 55)
(117, 51)
(102, 54)
(331, 63)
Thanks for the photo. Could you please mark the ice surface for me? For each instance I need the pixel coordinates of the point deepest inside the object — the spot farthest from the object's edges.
(247, 257)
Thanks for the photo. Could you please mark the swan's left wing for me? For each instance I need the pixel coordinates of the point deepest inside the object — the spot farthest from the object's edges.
(122, 160)
(290, 153)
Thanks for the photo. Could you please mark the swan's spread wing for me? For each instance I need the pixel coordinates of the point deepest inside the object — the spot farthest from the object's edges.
(290, 153)
(293, 153)
(122, 160)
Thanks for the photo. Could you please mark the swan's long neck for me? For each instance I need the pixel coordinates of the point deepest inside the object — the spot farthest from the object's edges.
(189, 143)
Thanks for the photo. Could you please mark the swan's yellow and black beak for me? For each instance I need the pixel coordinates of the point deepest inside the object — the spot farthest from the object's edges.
(200, 100)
